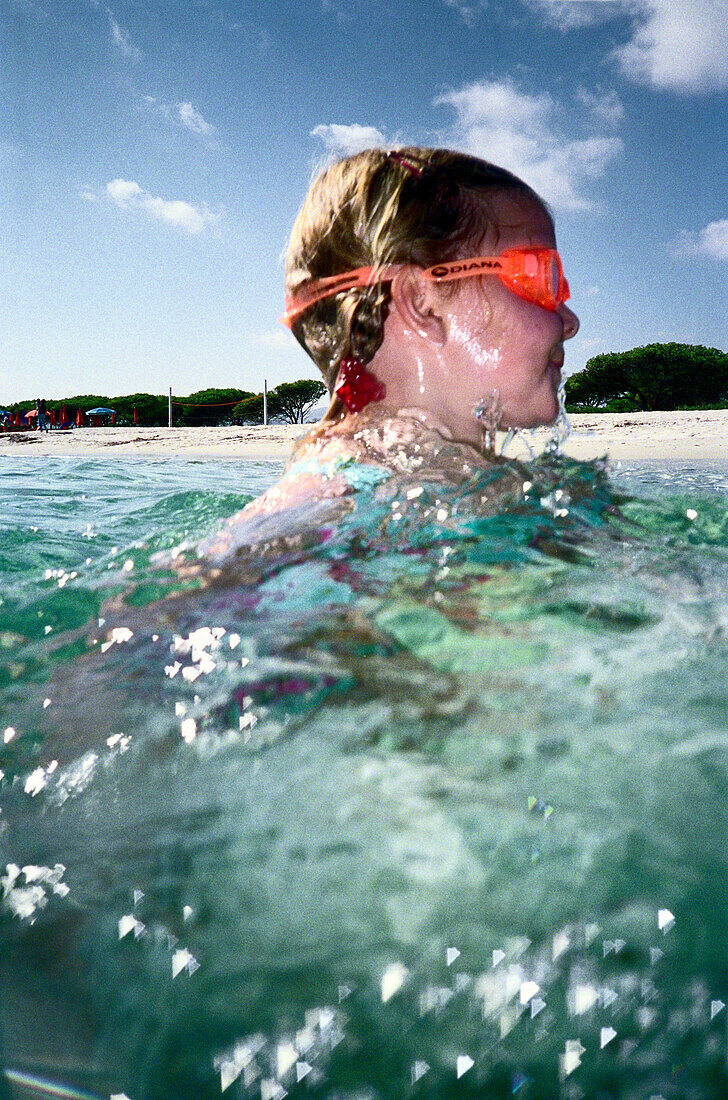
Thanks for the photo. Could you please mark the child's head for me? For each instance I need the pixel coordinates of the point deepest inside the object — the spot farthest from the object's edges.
(373, 209)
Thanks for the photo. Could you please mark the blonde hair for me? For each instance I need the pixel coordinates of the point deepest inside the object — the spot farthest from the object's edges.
(373, 209)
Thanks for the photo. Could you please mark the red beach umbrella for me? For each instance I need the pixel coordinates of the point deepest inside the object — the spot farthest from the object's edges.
(79, 418)
(64, 415)
(136, 415)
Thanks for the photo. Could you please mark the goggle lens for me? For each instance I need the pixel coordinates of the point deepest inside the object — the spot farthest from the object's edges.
(536, 276)
(555, 274)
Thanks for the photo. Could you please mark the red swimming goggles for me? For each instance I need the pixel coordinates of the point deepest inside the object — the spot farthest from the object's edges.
(535, 274)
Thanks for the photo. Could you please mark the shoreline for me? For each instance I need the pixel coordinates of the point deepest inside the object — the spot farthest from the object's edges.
(255, 442)
(699, 437)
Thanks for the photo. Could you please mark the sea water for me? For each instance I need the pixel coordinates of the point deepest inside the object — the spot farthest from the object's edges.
(430, 800)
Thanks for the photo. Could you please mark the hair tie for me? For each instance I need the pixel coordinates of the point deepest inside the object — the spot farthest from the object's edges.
(409, 163)
(357, 387)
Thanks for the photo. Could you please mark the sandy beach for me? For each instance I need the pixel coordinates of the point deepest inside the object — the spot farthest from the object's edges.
(686, 437)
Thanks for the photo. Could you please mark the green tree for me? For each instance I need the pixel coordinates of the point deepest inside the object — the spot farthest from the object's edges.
(83, 402)
(658, 376)
(296, 399)
(290, 403)
(209, 407)
(601, 381)
(250, 410)
(152, 409)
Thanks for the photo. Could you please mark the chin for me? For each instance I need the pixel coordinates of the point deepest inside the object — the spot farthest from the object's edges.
(548, 421)
(541, 410)
(550, 412)
(535, 420)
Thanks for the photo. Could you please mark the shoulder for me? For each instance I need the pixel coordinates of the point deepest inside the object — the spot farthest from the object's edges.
(315, 490)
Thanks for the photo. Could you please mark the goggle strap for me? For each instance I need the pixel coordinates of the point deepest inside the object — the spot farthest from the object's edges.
(332, 285)
(531, 263)
(462, 269)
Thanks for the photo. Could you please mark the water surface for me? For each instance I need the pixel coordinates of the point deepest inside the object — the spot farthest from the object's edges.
(431, 803)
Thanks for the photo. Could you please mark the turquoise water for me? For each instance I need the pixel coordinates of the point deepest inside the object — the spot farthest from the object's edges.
(428, 799)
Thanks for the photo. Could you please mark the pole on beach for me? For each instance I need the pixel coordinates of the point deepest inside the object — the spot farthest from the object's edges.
(265, 402)
(170, 407)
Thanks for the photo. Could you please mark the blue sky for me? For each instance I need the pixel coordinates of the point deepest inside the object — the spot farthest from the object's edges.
(153, 154)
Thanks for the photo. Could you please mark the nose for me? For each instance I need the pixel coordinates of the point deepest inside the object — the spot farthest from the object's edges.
(570, 320)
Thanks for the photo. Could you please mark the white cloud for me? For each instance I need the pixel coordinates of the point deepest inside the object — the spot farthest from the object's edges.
(123, 192)
(568, 15)
(345, 140)
(711, 241)
(122, 41)
(521, 132)
(605, 106)
(183, 113)
(278, 339)
(680, 46)
(193, 120)
(128, 195)
(257, 38)
(675, 45)
(468, 10)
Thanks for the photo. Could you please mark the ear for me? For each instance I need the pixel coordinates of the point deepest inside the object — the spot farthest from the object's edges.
(419, 304)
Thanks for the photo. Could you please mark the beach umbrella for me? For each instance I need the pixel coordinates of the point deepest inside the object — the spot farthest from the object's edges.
(64, 414)
(79, 418)
(101, 411)
(136, 415)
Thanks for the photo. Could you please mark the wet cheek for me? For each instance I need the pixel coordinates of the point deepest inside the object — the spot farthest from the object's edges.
(477, 338)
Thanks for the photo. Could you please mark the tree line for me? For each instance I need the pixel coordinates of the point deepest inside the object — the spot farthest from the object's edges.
(657, 376)
(290, 402)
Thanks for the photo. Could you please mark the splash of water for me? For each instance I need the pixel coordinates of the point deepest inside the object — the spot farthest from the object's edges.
(489, 412)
